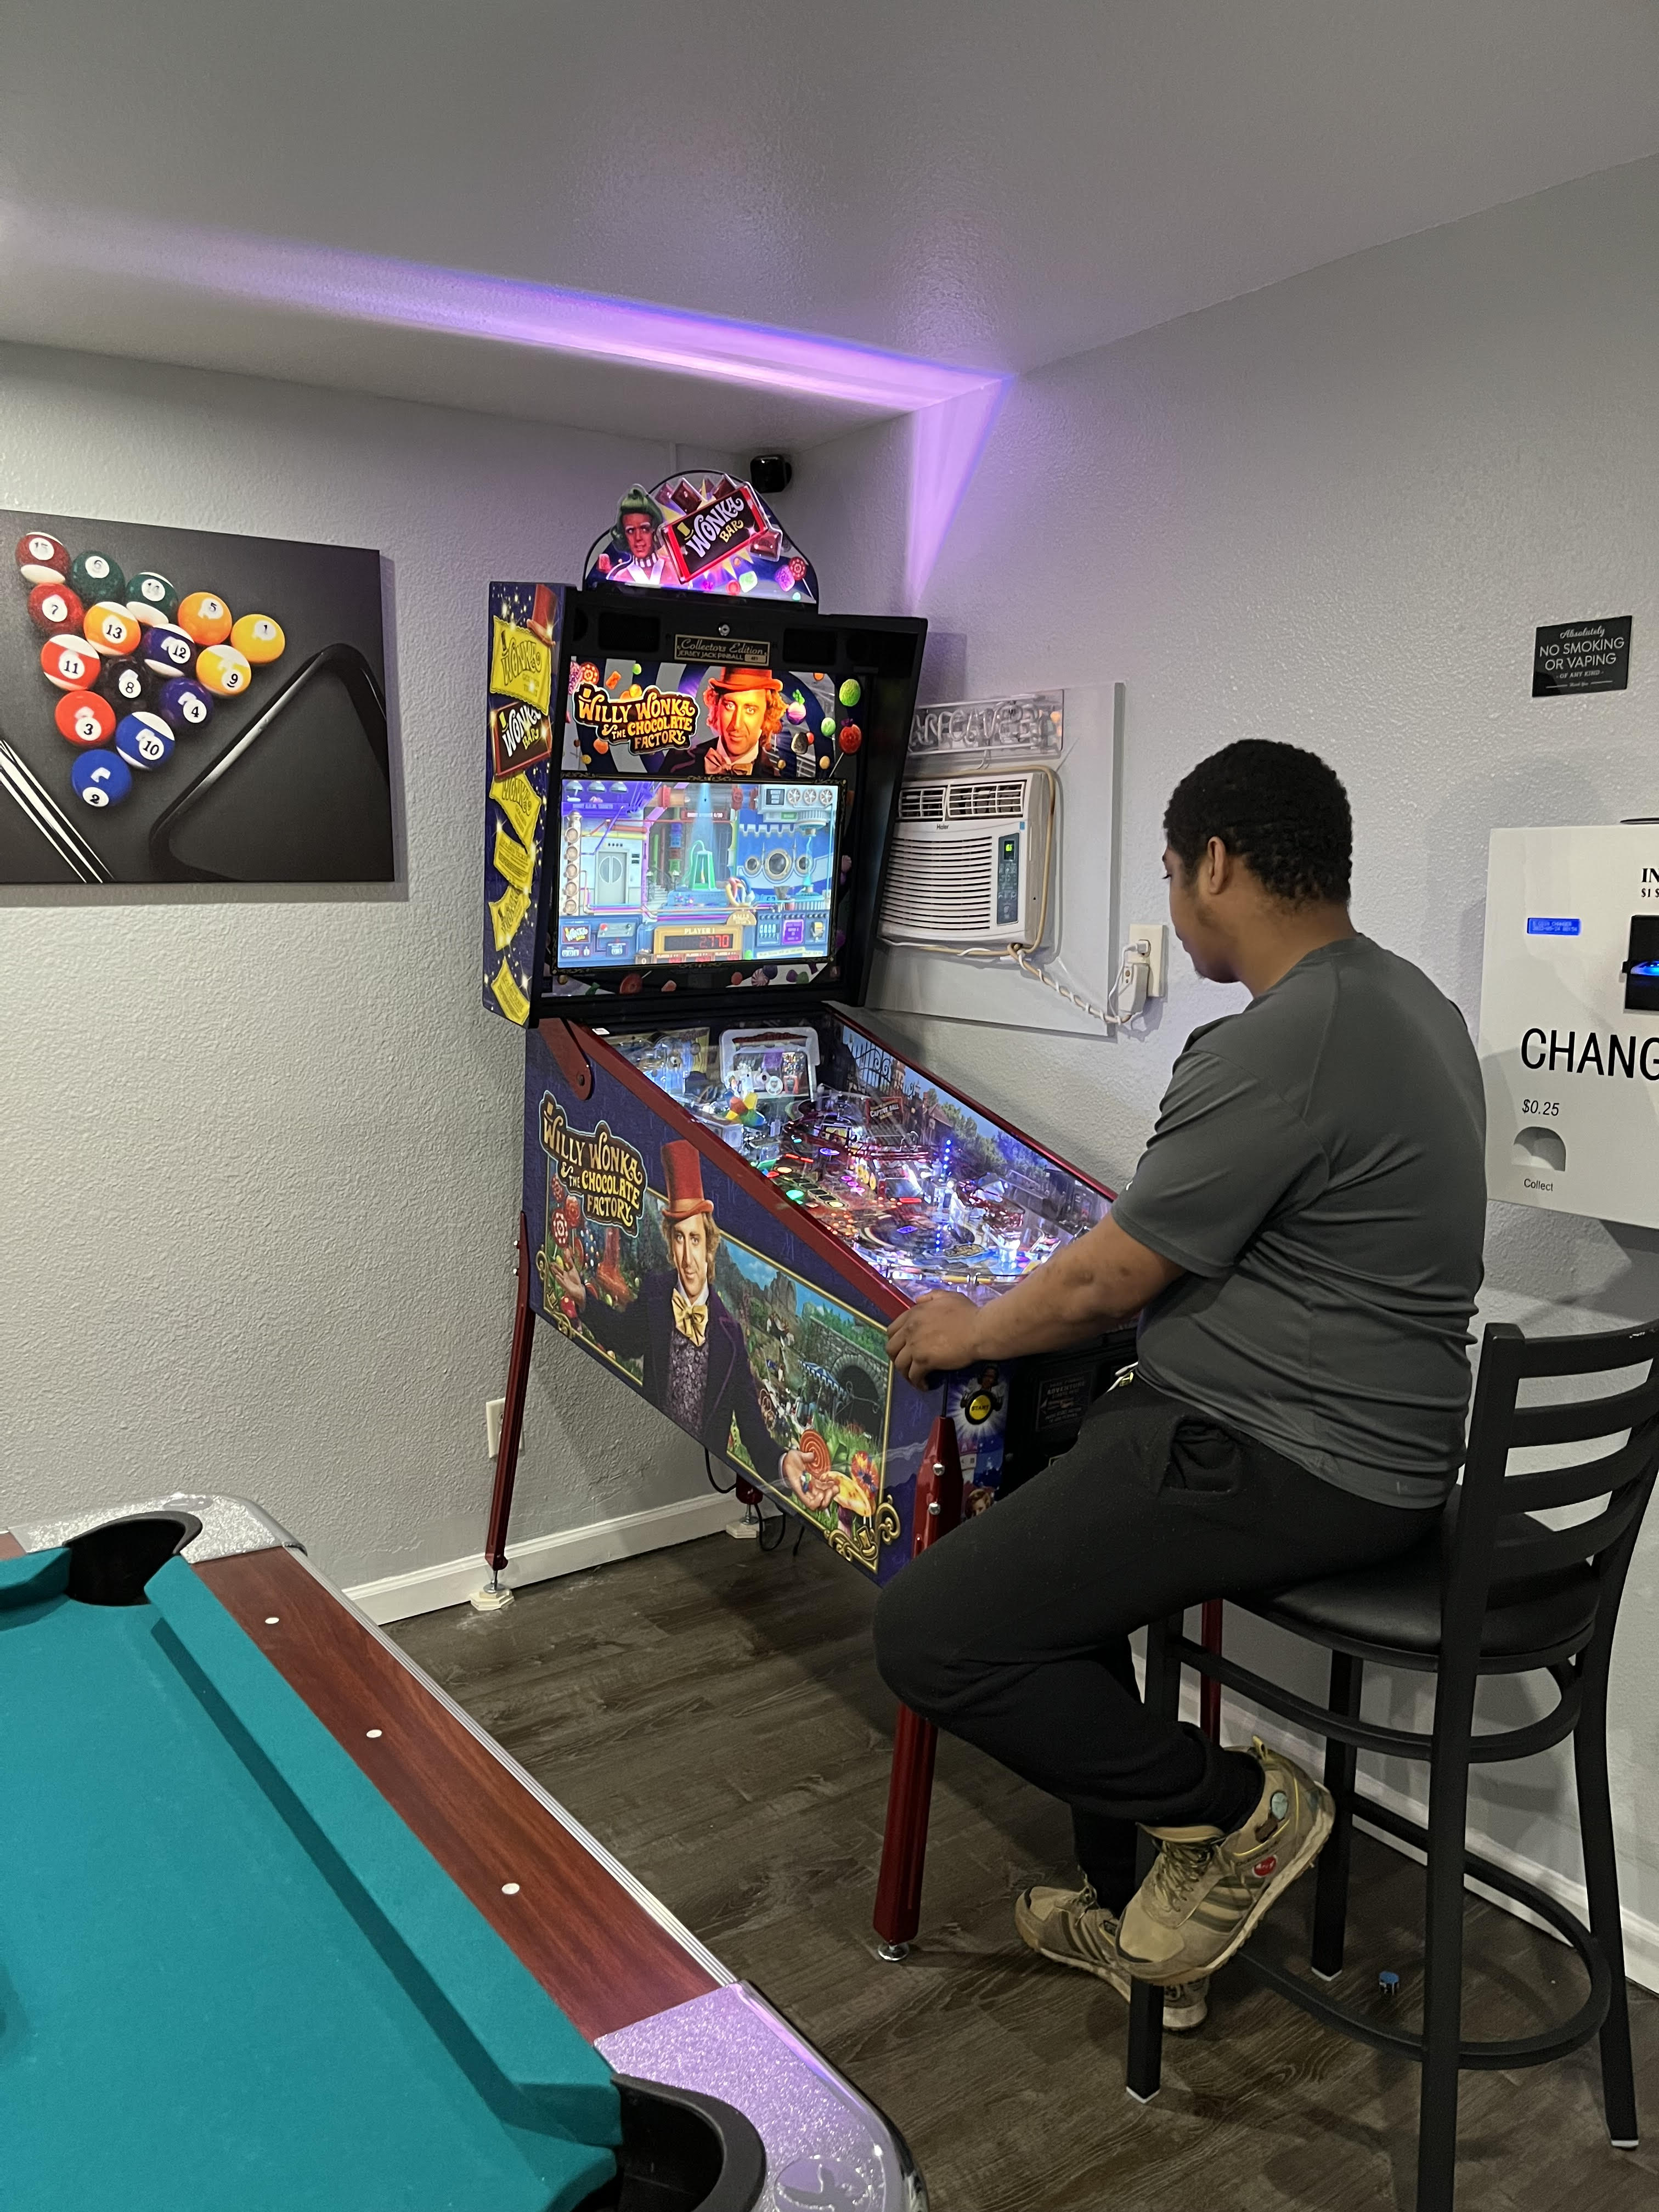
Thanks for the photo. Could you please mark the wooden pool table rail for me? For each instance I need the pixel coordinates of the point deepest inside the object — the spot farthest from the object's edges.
(601, 1946)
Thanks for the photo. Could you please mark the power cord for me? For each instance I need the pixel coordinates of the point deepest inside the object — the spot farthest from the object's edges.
(1134, 972)
(762, 1524)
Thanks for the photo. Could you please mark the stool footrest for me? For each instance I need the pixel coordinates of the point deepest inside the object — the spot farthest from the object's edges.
(1498, 1744)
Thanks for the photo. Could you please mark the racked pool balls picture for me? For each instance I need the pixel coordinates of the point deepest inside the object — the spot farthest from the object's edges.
(156, 729)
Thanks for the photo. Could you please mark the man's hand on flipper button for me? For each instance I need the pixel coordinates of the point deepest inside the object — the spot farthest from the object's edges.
(937, 1335)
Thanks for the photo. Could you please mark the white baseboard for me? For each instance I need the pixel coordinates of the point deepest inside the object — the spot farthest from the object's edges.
(1641, 1935)
(537, 1558)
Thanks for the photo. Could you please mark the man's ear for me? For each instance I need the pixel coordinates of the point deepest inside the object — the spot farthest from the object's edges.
(1219, 867)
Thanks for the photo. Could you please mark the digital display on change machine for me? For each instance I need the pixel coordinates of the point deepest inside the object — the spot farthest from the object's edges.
(654, 873)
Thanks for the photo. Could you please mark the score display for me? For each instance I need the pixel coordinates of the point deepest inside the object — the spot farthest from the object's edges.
(660, 873)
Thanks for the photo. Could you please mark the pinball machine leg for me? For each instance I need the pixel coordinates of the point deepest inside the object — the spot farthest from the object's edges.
(904, 1840)
(495, 1595)
(749, 1498)
(910, 1788)
(1209, 1692)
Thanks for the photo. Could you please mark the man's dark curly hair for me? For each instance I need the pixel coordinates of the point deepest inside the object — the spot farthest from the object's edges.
(1279, 810)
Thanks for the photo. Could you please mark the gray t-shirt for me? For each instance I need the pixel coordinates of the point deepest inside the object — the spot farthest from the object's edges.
(1318, 1169)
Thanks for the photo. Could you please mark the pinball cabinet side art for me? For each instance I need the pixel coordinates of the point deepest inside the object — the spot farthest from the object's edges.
(650, 1241)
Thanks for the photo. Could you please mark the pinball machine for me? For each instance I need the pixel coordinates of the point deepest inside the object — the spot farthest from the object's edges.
(732, 1186)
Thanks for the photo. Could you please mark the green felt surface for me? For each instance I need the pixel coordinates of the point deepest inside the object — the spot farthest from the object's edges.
(229, 1975)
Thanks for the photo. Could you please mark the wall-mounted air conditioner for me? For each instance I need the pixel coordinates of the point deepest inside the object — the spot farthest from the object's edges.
(968, 861)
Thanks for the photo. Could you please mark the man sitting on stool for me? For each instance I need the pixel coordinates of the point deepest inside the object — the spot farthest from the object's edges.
(1302, 1240)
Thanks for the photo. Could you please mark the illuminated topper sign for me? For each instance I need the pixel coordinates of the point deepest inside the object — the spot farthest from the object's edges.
(604, 1172)
(709, 533)
(655, 718)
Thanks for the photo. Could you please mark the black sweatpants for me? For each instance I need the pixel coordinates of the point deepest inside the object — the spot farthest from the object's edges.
(1013, 1633)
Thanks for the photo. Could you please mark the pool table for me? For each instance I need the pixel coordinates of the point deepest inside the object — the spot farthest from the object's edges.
(282, 1927)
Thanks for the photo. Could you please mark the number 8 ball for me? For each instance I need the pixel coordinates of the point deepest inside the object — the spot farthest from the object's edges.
(126, 684)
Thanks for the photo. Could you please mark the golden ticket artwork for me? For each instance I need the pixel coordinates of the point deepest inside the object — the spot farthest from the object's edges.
(524, 622)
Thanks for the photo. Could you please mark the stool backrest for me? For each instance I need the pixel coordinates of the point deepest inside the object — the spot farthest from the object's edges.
(1624, 1477)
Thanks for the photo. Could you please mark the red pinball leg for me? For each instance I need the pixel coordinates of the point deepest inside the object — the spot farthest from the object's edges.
(1209, 1692)
(518, 1382)
(910, 1790)
(904, 1840)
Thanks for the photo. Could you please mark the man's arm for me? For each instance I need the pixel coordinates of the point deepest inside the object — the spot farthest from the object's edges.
(1226, 1151)
(1102, 1277)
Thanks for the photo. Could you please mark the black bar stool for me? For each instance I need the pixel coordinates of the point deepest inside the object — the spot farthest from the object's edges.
(1494, 1591)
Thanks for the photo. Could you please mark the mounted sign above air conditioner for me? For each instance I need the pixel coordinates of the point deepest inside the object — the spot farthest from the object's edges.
(968, 862)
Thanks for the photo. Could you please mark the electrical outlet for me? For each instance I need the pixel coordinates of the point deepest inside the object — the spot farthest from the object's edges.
(495, 1414)
(1152, 934)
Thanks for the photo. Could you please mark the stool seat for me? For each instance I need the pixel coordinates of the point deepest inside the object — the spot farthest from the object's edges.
(1398, 1603)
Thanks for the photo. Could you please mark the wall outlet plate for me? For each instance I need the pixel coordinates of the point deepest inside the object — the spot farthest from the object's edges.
(1156, 938)
(494, 1413)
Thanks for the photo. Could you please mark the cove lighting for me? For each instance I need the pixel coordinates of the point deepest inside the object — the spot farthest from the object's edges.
(953, 408)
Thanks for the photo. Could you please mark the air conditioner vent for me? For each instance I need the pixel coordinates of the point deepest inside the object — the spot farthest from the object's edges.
(967, 862)
(976, 800)
(950, 883)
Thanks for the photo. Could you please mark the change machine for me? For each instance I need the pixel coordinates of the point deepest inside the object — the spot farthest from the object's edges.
(1569, 1020)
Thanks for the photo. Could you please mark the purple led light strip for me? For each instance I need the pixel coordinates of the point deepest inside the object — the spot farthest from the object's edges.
(365, 287)
(953, 408)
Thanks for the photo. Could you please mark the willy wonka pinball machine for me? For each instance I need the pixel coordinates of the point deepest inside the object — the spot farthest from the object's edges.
(732, 1186)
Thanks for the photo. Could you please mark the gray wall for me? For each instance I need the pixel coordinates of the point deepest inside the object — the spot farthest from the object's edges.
(1332, 511)
(259, 1153)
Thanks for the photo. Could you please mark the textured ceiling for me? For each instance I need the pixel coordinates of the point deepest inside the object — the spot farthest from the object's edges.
(987, 185)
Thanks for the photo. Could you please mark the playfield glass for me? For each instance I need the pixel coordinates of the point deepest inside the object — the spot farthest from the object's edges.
(926, 1190)
(656, 874)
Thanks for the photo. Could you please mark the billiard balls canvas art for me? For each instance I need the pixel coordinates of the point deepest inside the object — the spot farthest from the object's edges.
(186, 706)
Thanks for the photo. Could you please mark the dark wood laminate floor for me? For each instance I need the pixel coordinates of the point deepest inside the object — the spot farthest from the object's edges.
(714, 1716)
